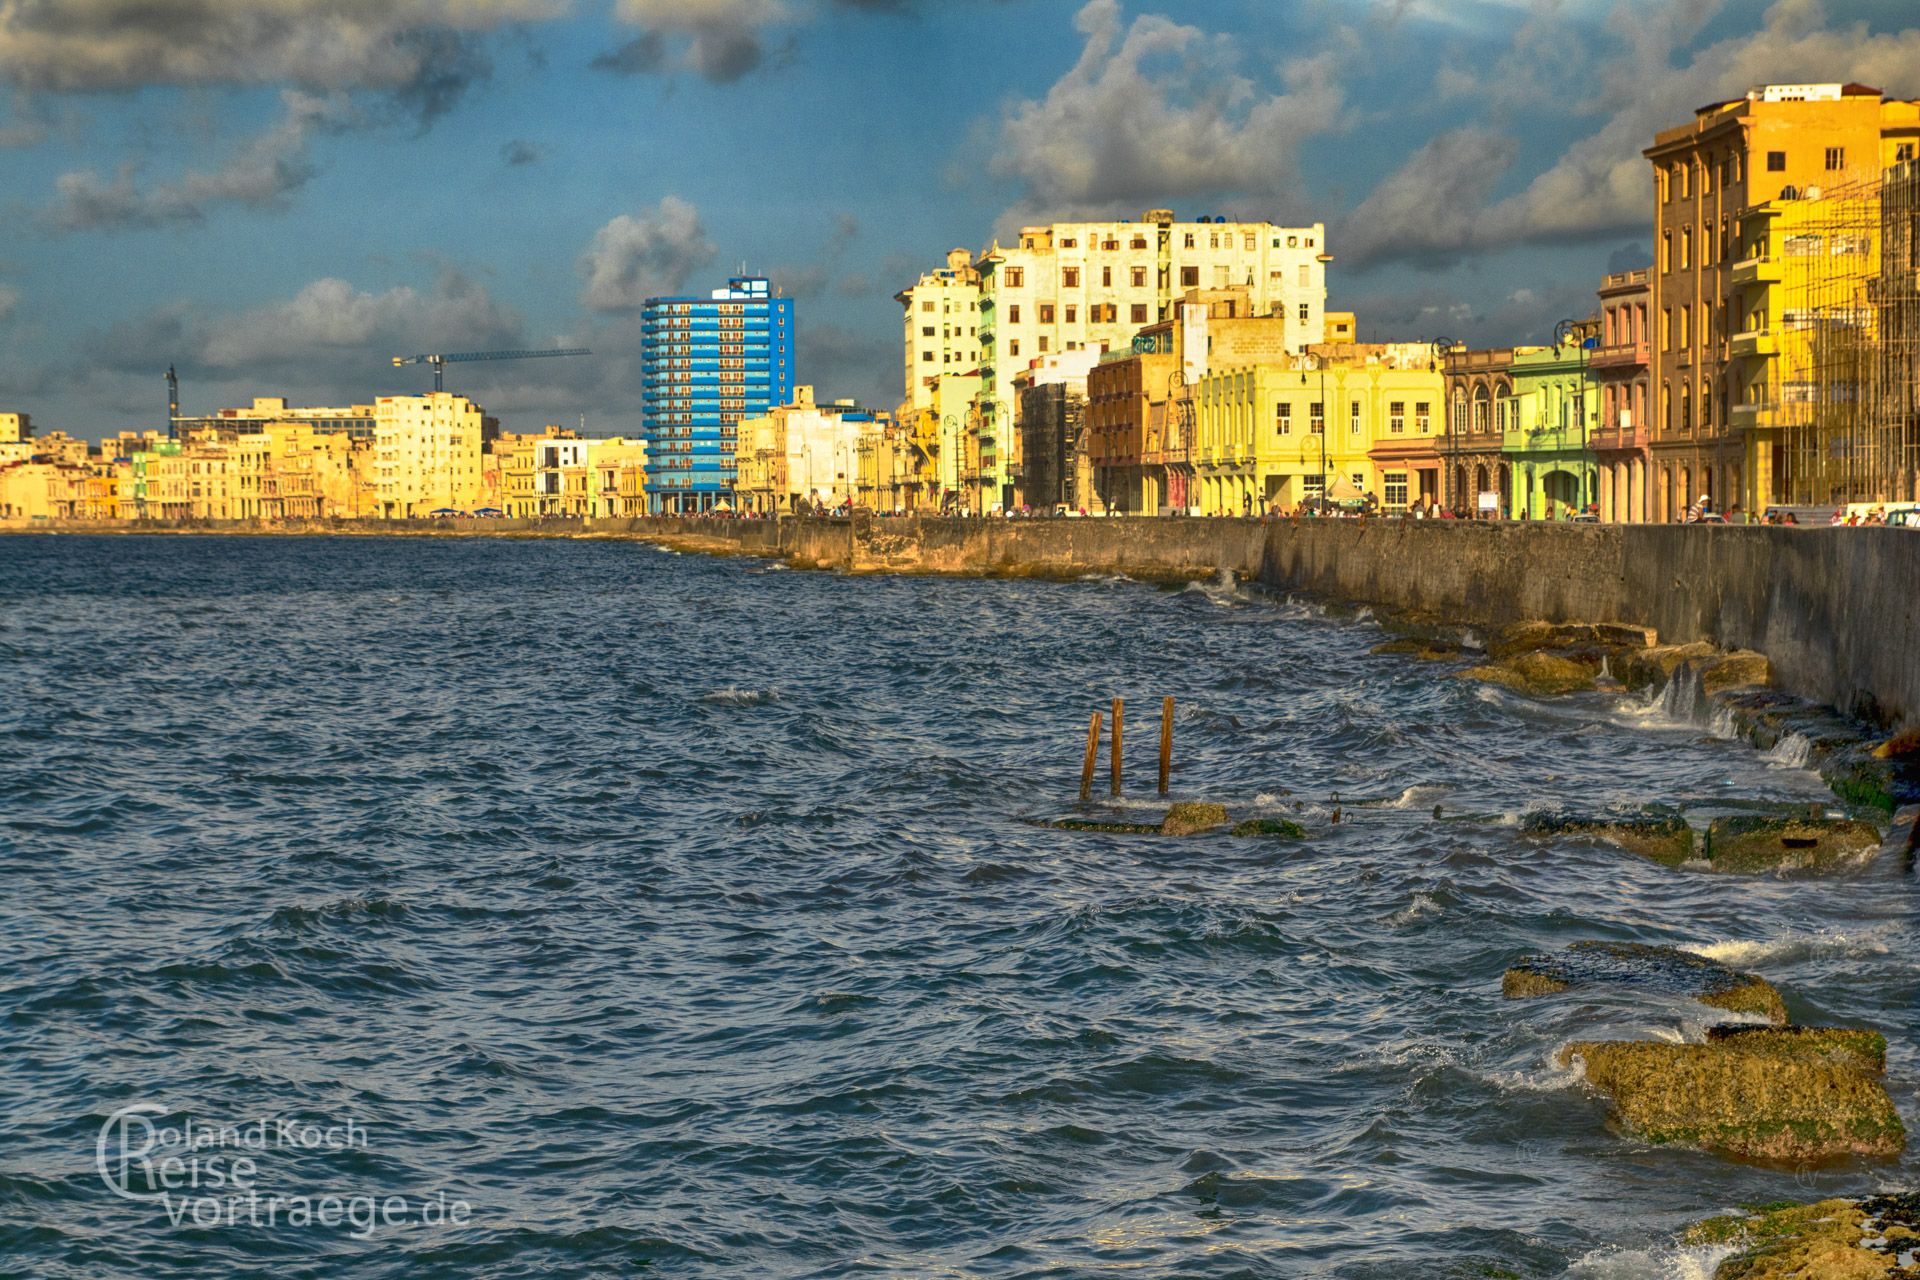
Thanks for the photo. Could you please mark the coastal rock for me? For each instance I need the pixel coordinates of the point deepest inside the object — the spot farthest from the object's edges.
(1664, 838)
(1771, 1098)
(1276, 828)
(1638, 967)
(1899, 747)
(1533, 672)
(1753, 843)
(1826, 1240)
(1096, 824)
(1190, 818)
(1425, 650)
(1657, 664)
(1622, 635)
(1732, 670)
(1526, 637)
(1859, 1047)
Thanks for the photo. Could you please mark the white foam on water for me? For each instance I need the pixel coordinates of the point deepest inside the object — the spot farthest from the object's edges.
(1798, 945)
(1547, 1076)
(1415, 797)
(1795, 751)
(1363, 614)
(1673, 1262)
(1723, 723)
(1423, 905)
(732, 697)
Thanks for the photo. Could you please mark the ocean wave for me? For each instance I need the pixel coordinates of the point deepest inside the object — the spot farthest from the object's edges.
(1670, 1262)
(1799, 945)
(1795, 751)
(736, 697)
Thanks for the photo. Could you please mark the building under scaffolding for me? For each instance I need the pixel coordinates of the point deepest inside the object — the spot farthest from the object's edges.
(1840, 333)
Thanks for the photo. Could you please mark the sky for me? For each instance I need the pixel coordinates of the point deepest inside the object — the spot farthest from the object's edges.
(277, 196)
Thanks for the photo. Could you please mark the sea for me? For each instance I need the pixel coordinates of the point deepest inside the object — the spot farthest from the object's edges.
(461, 907)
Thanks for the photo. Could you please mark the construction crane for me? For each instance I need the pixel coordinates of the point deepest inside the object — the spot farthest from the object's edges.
(440, 363)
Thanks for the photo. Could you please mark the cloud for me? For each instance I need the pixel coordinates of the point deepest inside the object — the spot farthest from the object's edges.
(720, 40)
(262, 174)
(633, 258)
(1600, 186)
(420, 51)
(1156, 110)
(519, 152)
(9, 302)
(330, 330)
(815, 277)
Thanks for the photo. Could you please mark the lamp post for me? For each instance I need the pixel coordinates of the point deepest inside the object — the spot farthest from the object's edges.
(1561, 333)
(1441, 348)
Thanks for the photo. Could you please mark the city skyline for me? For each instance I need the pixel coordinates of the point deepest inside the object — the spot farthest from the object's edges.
(277, 214)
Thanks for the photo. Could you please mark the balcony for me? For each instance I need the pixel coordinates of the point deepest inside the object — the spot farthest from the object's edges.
(1756, 271)
(1754, 342)
(1621, 355)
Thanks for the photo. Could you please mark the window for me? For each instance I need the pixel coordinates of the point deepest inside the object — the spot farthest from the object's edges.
(1106, 277)
(1776, 162)
(1013, 314)
(1306, 275)
(1686, 180)
(1836, 159)
(1139, 313)
(1353, 418)
(1686, 329)
(1189, 276)
(1666, 251)
(1706, 177)
(1396, 489)
(1046, 313)
(1043, 344)
(1304, 312)
(1422, 416)
(1283, 419)
(1666, 328)
(1903, 152)
(1189, 239)
(926, 306)
(1686, 247)
(1139, 242)
(1070, 278)
(1397, 417)
(1069, 243)
(1073, 314)
(1317, 418)
(1013, 347)
(1706, 324)
(1016, 277)
(1139, 277)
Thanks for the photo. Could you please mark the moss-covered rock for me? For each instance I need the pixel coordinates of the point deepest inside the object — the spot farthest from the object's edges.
(1424, 650)
(1826, 1240)
(1733, 670)
(1100, 824)
(1536, 673)
(1655, 665)
(1275, 828)
(1755, 1098)
(1751, 843)
(1637, 967)
(1190, 818)
(1900, 746)
(1664, 838)
(1860, 1047)
(1526, 637)
(1623, 635)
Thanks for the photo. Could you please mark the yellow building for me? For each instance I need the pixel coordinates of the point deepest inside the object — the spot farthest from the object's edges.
(426, 454)
(941, 329)
(15, 427)
(1281, 434)
(544, 474)
(799, 454)
(617, 468)
(43, 489)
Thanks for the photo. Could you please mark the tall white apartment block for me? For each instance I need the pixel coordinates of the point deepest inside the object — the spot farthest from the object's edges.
(1077, 286)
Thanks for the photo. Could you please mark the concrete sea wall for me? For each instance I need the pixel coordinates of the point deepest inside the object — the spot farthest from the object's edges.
(1836, 610)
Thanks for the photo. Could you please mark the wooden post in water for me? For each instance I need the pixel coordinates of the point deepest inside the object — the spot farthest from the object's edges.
(1117, 711)
(1166, 742)
(1093, 758)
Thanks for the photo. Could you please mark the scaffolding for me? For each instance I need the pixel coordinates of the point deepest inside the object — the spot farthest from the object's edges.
(1849, 344)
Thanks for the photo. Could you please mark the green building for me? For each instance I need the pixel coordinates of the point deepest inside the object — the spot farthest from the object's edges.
(1546, 443)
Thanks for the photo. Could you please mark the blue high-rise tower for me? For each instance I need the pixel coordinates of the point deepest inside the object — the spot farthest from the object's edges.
(705, 364)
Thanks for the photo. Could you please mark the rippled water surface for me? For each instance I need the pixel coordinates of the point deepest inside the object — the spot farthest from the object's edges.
(679, 915)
